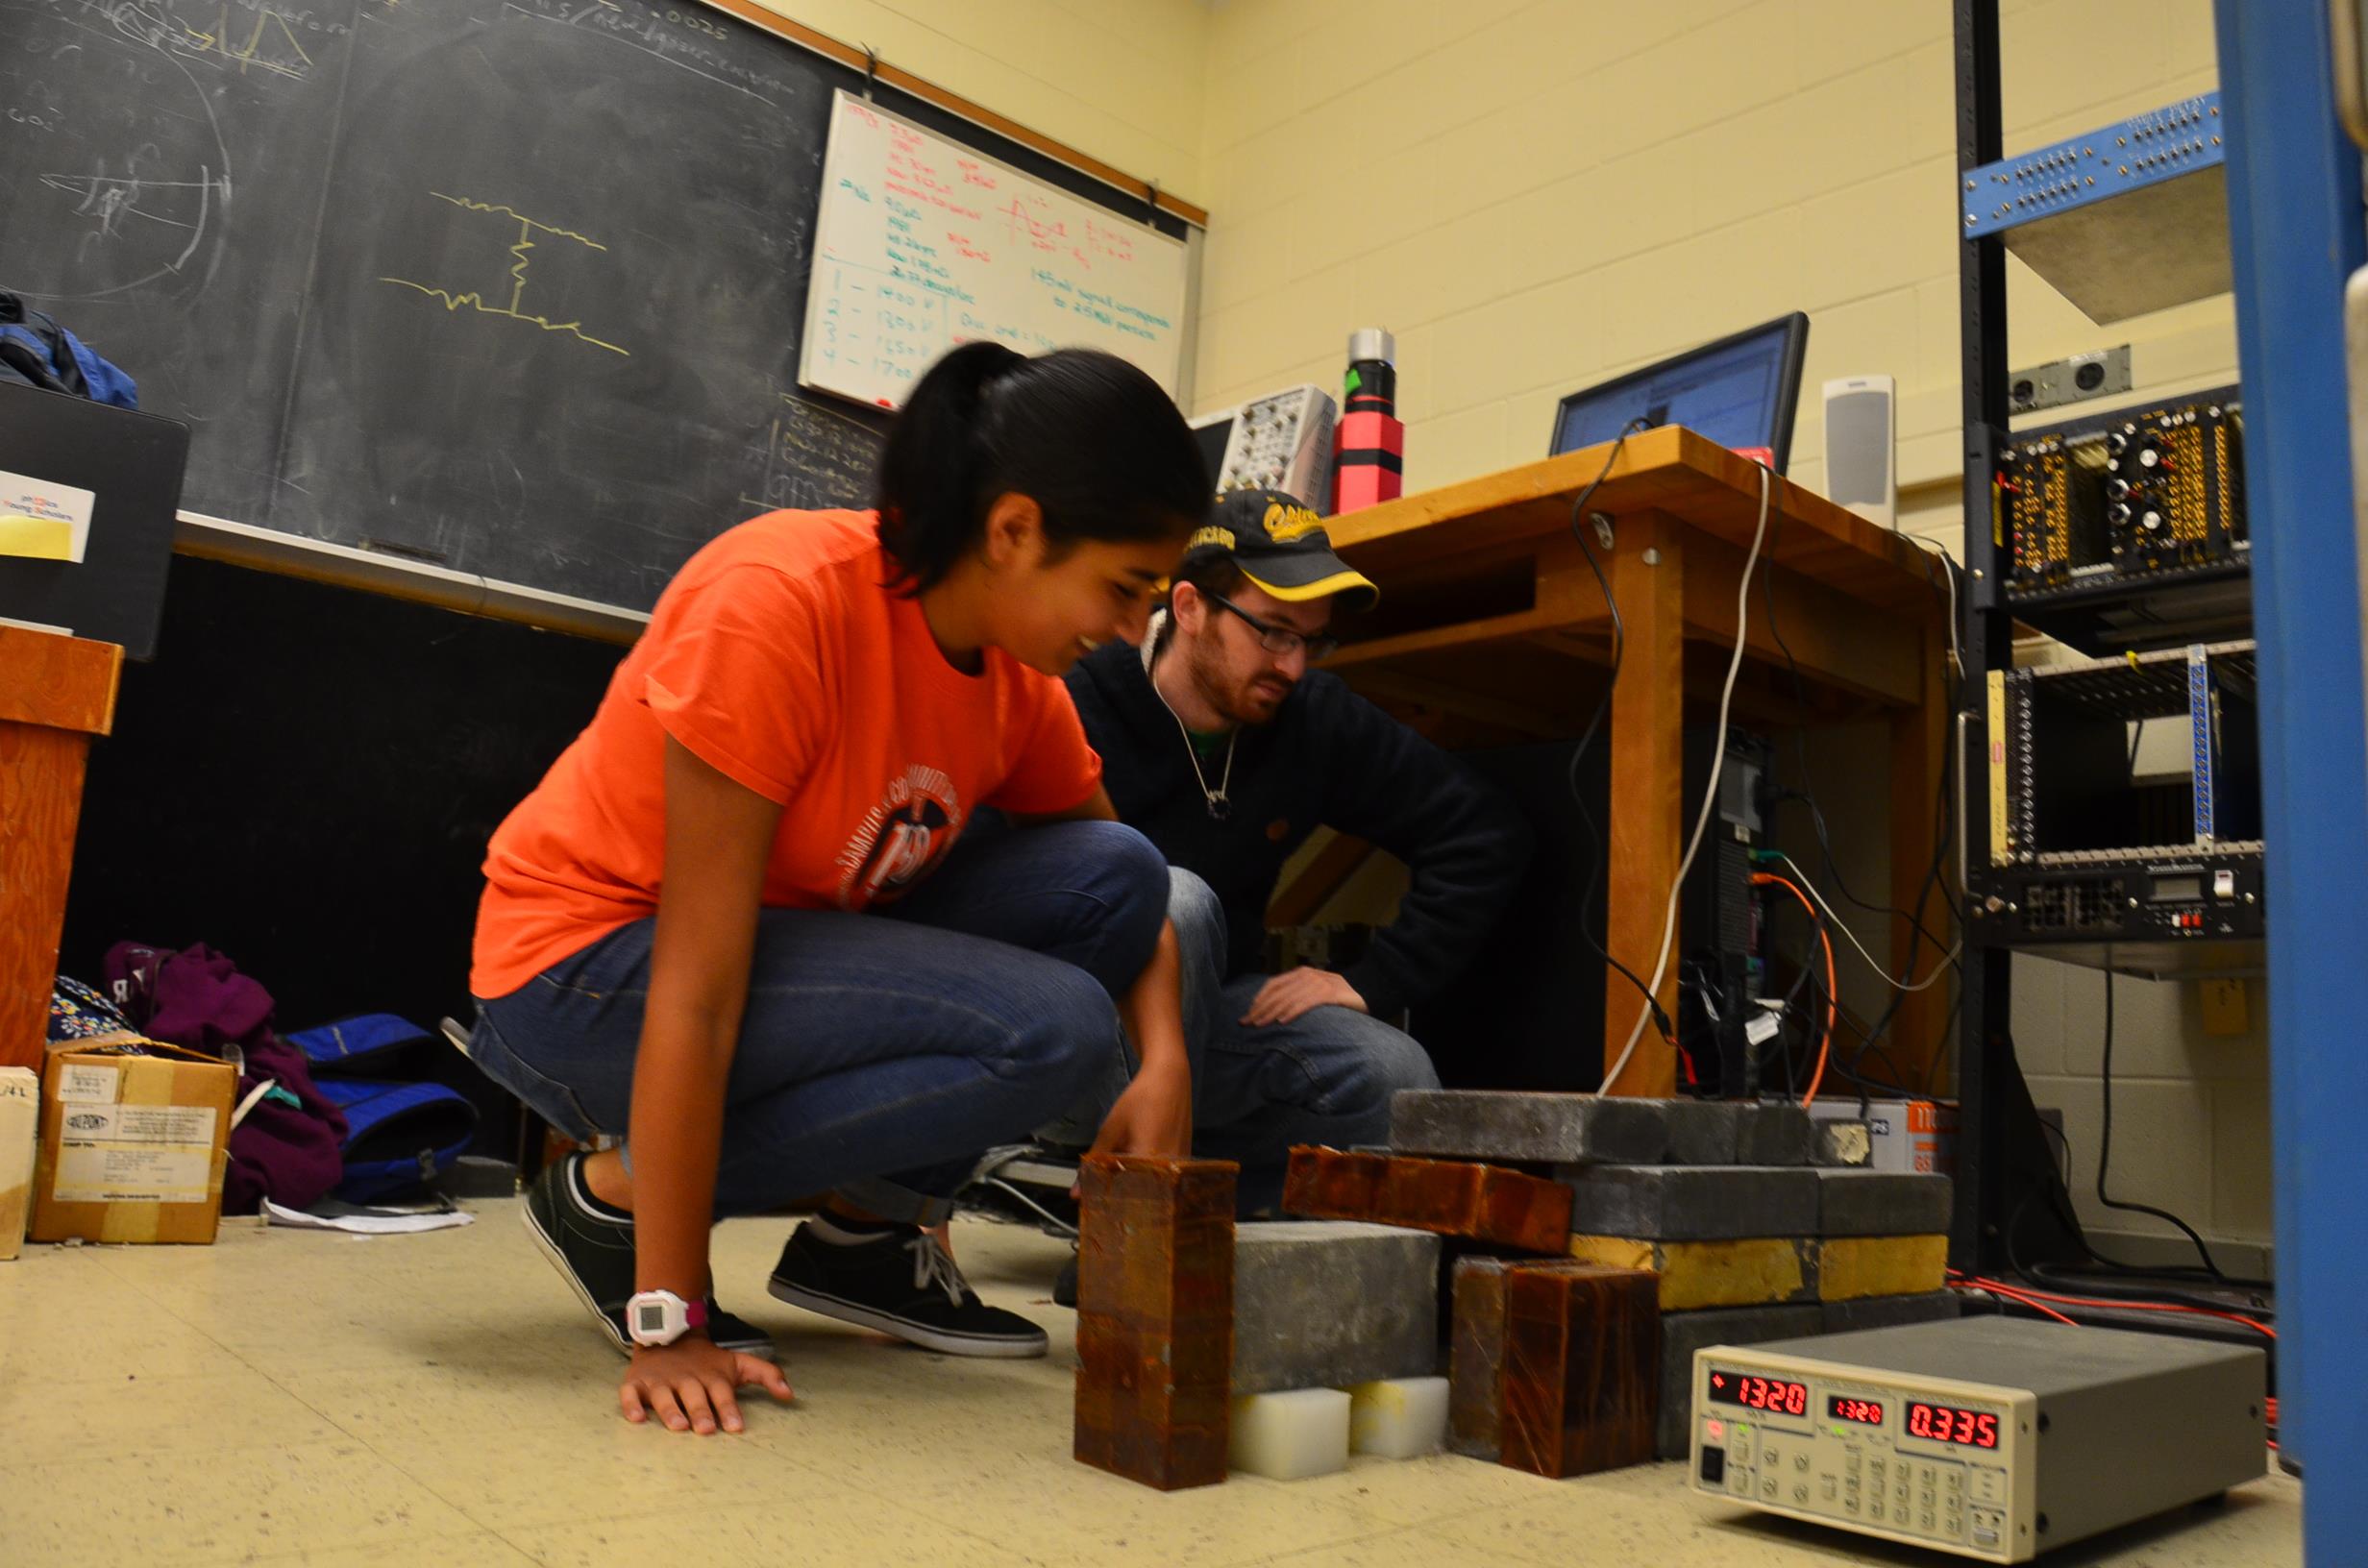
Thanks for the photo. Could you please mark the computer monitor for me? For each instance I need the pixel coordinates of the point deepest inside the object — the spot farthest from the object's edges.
(1741, 392)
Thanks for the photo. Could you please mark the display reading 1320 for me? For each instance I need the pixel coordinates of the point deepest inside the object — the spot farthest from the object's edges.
(1948, 1424)
(1775, 1395)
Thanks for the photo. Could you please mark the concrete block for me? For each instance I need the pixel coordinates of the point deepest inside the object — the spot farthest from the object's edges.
(1702, 1132)
(1682, 1334)
(1324, 1304)
(1843, 1143)
(1882, 1202)
(1692, 1203)
(1891, 1312)
(1562, 1129)
(1773, 1135)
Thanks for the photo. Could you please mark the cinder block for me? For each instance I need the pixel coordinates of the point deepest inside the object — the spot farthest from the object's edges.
(1682, 1334)
(1485, 1202)
(1889, 1312)
(1154, 1318)
(1692, 1203)
(1773, 1135)
(1850, 1266)
(1843, 1143)
(1882, 1202)
(1702, 1132)
(1494, 1124)
(1697, 1274)
(1324, 1303)
(1582, 1373)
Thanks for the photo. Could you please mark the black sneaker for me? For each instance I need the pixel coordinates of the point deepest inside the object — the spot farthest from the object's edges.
(594, 1254)
(900, 1282)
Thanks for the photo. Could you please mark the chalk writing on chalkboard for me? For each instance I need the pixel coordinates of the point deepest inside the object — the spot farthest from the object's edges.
(528, 228)
(814, 459)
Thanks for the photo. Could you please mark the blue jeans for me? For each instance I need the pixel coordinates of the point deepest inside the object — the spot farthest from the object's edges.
(880, 1054)
(1326, 1077)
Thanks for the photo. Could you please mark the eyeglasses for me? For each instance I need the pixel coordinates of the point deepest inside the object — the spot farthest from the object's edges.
(1281, 640)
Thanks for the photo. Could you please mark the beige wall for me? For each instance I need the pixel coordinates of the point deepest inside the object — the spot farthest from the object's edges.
(1535, 194)
(1121, 80)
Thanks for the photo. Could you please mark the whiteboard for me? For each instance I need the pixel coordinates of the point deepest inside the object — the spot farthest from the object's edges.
(924, 243)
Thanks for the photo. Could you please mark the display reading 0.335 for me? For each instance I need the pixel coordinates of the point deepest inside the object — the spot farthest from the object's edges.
(1948, 1424)
(1775, 1395)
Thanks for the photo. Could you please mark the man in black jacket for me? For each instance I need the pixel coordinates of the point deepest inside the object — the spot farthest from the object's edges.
(1224, 747)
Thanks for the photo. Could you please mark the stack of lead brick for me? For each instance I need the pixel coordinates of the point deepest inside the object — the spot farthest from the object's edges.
(1564, 1376)
(1750, 1239)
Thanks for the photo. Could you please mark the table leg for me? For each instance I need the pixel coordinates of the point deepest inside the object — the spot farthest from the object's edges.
(1645, 827)
(1920, 741)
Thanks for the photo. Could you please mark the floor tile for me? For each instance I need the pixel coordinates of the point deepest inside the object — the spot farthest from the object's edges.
(193, 1506)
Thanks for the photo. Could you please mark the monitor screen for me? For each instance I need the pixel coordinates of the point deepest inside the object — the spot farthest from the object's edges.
(1213, 435)
(1740, 392)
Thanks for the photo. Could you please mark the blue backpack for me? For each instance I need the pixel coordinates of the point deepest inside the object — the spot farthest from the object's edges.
(34, 350)
(398, 1136)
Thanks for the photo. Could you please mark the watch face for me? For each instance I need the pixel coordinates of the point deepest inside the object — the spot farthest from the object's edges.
(652, 1317)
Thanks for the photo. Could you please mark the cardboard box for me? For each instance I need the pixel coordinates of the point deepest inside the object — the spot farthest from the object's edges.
(1908, 1135)
(135, 1135)
(20, 1109)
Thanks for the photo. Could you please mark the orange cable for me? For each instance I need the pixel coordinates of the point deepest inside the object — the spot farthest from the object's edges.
(1825, 1043)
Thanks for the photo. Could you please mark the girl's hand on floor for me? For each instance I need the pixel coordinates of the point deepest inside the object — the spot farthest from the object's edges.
(688, 1385)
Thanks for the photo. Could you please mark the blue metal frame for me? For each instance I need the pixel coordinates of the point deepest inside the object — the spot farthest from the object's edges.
(2296, 230)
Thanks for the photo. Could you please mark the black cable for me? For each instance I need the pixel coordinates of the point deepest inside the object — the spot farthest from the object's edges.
(2105, 1147)
(1578, 793)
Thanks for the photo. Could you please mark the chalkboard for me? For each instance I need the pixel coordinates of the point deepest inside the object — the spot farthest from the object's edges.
(923, 244)
(513, 286)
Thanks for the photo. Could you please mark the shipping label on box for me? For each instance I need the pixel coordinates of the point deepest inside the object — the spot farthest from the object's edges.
(20, 1112)
(133, 1143)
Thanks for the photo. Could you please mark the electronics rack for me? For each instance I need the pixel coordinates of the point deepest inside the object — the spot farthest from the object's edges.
(2089, 861)
(2065, 849)
(2127, 528)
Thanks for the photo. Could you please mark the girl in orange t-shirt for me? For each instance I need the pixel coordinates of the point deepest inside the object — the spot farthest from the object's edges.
(733, 926)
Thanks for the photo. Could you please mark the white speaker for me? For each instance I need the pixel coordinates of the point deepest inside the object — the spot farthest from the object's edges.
(1862, 447)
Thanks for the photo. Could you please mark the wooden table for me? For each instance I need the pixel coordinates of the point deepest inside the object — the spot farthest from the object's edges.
(56, 692)
(1493, 628)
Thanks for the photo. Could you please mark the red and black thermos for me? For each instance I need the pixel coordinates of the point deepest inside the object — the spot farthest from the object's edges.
(1370, 465)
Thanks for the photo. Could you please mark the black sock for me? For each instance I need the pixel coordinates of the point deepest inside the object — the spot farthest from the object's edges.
(581, 1190)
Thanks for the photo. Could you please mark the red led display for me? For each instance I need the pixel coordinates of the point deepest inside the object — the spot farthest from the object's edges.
(1753, 1392)
(1865, 1411)
(1946, 1424)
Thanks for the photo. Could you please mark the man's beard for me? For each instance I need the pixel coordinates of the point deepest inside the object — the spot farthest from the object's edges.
(1239, 704)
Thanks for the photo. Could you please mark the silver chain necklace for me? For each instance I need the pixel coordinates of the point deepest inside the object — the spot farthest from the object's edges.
(1219, 807)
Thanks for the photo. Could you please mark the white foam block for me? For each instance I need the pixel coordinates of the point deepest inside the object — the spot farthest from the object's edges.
(1398, 1418)
(1291, 1434)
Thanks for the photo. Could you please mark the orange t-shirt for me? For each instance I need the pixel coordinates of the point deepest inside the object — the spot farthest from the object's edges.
(780, 659)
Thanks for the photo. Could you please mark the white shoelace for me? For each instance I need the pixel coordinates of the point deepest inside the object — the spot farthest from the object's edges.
(934, 1266)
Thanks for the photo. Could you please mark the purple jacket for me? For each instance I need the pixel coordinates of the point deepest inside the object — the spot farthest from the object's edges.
(291, 1154)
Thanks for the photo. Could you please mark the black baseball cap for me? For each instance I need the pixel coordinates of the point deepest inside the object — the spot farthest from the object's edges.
(1280, 545)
